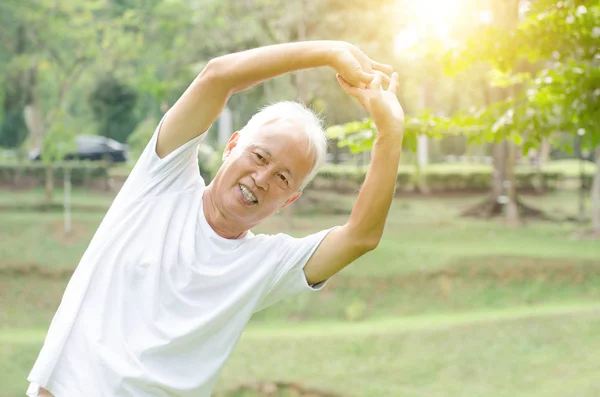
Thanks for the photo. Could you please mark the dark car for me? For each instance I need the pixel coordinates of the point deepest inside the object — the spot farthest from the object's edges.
(94, 148)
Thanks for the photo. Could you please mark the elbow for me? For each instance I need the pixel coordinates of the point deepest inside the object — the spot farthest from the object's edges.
(215, 74)
(363, 241)
(370, 244)
(220, 71)
(212, 71)
(366, 244)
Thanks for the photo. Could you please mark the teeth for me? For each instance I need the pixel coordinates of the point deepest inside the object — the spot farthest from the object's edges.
(248, 194)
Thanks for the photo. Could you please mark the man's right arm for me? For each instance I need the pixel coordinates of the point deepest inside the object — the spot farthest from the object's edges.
(205, 98)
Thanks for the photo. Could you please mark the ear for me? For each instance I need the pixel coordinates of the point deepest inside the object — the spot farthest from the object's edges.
(231, 143)
(295, 197)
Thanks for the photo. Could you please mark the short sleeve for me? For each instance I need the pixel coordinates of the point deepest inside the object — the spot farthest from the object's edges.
(289, 278)
(177, 171)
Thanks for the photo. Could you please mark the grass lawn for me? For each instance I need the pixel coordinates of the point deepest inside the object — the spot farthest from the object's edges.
(550, 352)
(422, 233)
(445, 306)
(545, 356)
(79, 197)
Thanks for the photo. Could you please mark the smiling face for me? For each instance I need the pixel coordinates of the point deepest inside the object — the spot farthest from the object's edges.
(261, 177)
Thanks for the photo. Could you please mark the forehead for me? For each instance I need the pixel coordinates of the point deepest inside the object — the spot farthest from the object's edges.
(287, 144)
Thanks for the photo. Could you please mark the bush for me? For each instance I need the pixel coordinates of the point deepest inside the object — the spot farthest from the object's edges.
(447, 177)
(339, 178)
(27, 175)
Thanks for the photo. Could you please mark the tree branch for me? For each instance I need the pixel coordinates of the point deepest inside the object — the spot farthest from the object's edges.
(71, 77)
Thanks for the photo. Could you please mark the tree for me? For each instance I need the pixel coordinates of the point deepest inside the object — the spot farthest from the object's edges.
(47, 60)
(534, 94)
(113, 103)
(566, 94)
(563, 95)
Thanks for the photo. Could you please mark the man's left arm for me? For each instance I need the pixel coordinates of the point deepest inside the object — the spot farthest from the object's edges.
(364, 228)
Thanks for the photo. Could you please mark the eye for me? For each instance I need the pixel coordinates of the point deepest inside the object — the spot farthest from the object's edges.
(283, 178)
(259, 157)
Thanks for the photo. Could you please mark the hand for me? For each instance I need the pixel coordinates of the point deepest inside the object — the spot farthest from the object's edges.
(382, 105)
(356, 67)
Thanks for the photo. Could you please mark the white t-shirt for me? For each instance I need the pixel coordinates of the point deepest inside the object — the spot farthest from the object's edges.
(159, 300)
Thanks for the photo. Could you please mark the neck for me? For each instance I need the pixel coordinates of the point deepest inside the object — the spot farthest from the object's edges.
(217, 220)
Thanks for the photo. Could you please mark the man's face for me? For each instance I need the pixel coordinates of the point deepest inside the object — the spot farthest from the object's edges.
(265, 175)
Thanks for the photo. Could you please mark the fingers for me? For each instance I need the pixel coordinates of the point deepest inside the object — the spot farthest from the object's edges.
(393, 83)
(386, 69)
(365, 77)
(349, 89)
(376, 83)
(359, 70)
(385, 79)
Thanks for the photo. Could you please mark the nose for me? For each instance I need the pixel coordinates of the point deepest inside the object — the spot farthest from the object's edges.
(261, 178)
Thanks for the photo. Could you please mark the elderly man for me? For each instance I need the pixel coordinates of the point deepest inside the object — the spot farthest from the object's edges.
(173, 273)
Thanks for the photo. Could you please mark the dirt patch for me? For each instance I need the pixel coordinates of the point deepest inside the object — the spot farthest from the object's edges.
(496, 270)
(276, 389)
(50, 207)
(589, 234)
(35, 271)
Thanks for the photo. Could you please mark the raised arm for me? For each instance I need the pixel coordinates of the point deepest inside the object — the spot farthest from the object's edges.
(205, 98)
(363, 230)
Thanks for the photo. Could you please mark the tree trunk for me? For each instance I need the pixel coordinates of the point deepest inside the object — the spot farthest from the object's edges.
(499, 161)
(49, 183)
(335, 152)
(511, 209)
(301, 91)
(426, 101)
(503, 197)
(34, 122)
(596, 195)
(505, 153)
(492, 205)
(32, 112)
(544, 151)
(67, 200)
(542, 156)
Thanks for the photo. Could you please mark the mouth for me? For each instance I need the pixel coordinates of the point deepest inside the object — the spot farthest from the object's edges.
(248, 197)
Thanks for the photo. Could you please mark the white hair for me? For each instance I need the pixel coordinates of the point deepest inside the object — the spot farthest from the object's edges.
(296, 113)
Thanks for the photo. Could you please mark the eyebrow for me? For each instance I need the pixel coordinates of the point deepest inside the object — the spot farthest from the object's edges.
(270, 155)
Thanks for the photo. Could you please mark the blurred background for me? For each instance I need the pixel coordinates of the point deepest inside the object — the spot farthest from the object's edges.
(487, 280)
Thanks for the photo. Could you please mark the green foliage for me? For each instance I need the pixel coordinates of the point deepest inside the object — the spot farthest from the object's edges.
(564, 94)
(140, 137)
(359, 136)
(113, 105)
(13, 95)
(356, 135)
(156, 48)
(13, 130)
(59, 140)
(552, 29)
(567, 98)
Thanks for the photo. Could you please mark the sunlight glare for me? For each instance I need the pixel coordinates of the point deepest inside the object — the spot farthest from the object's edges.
(429, 19)
(436, 12)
